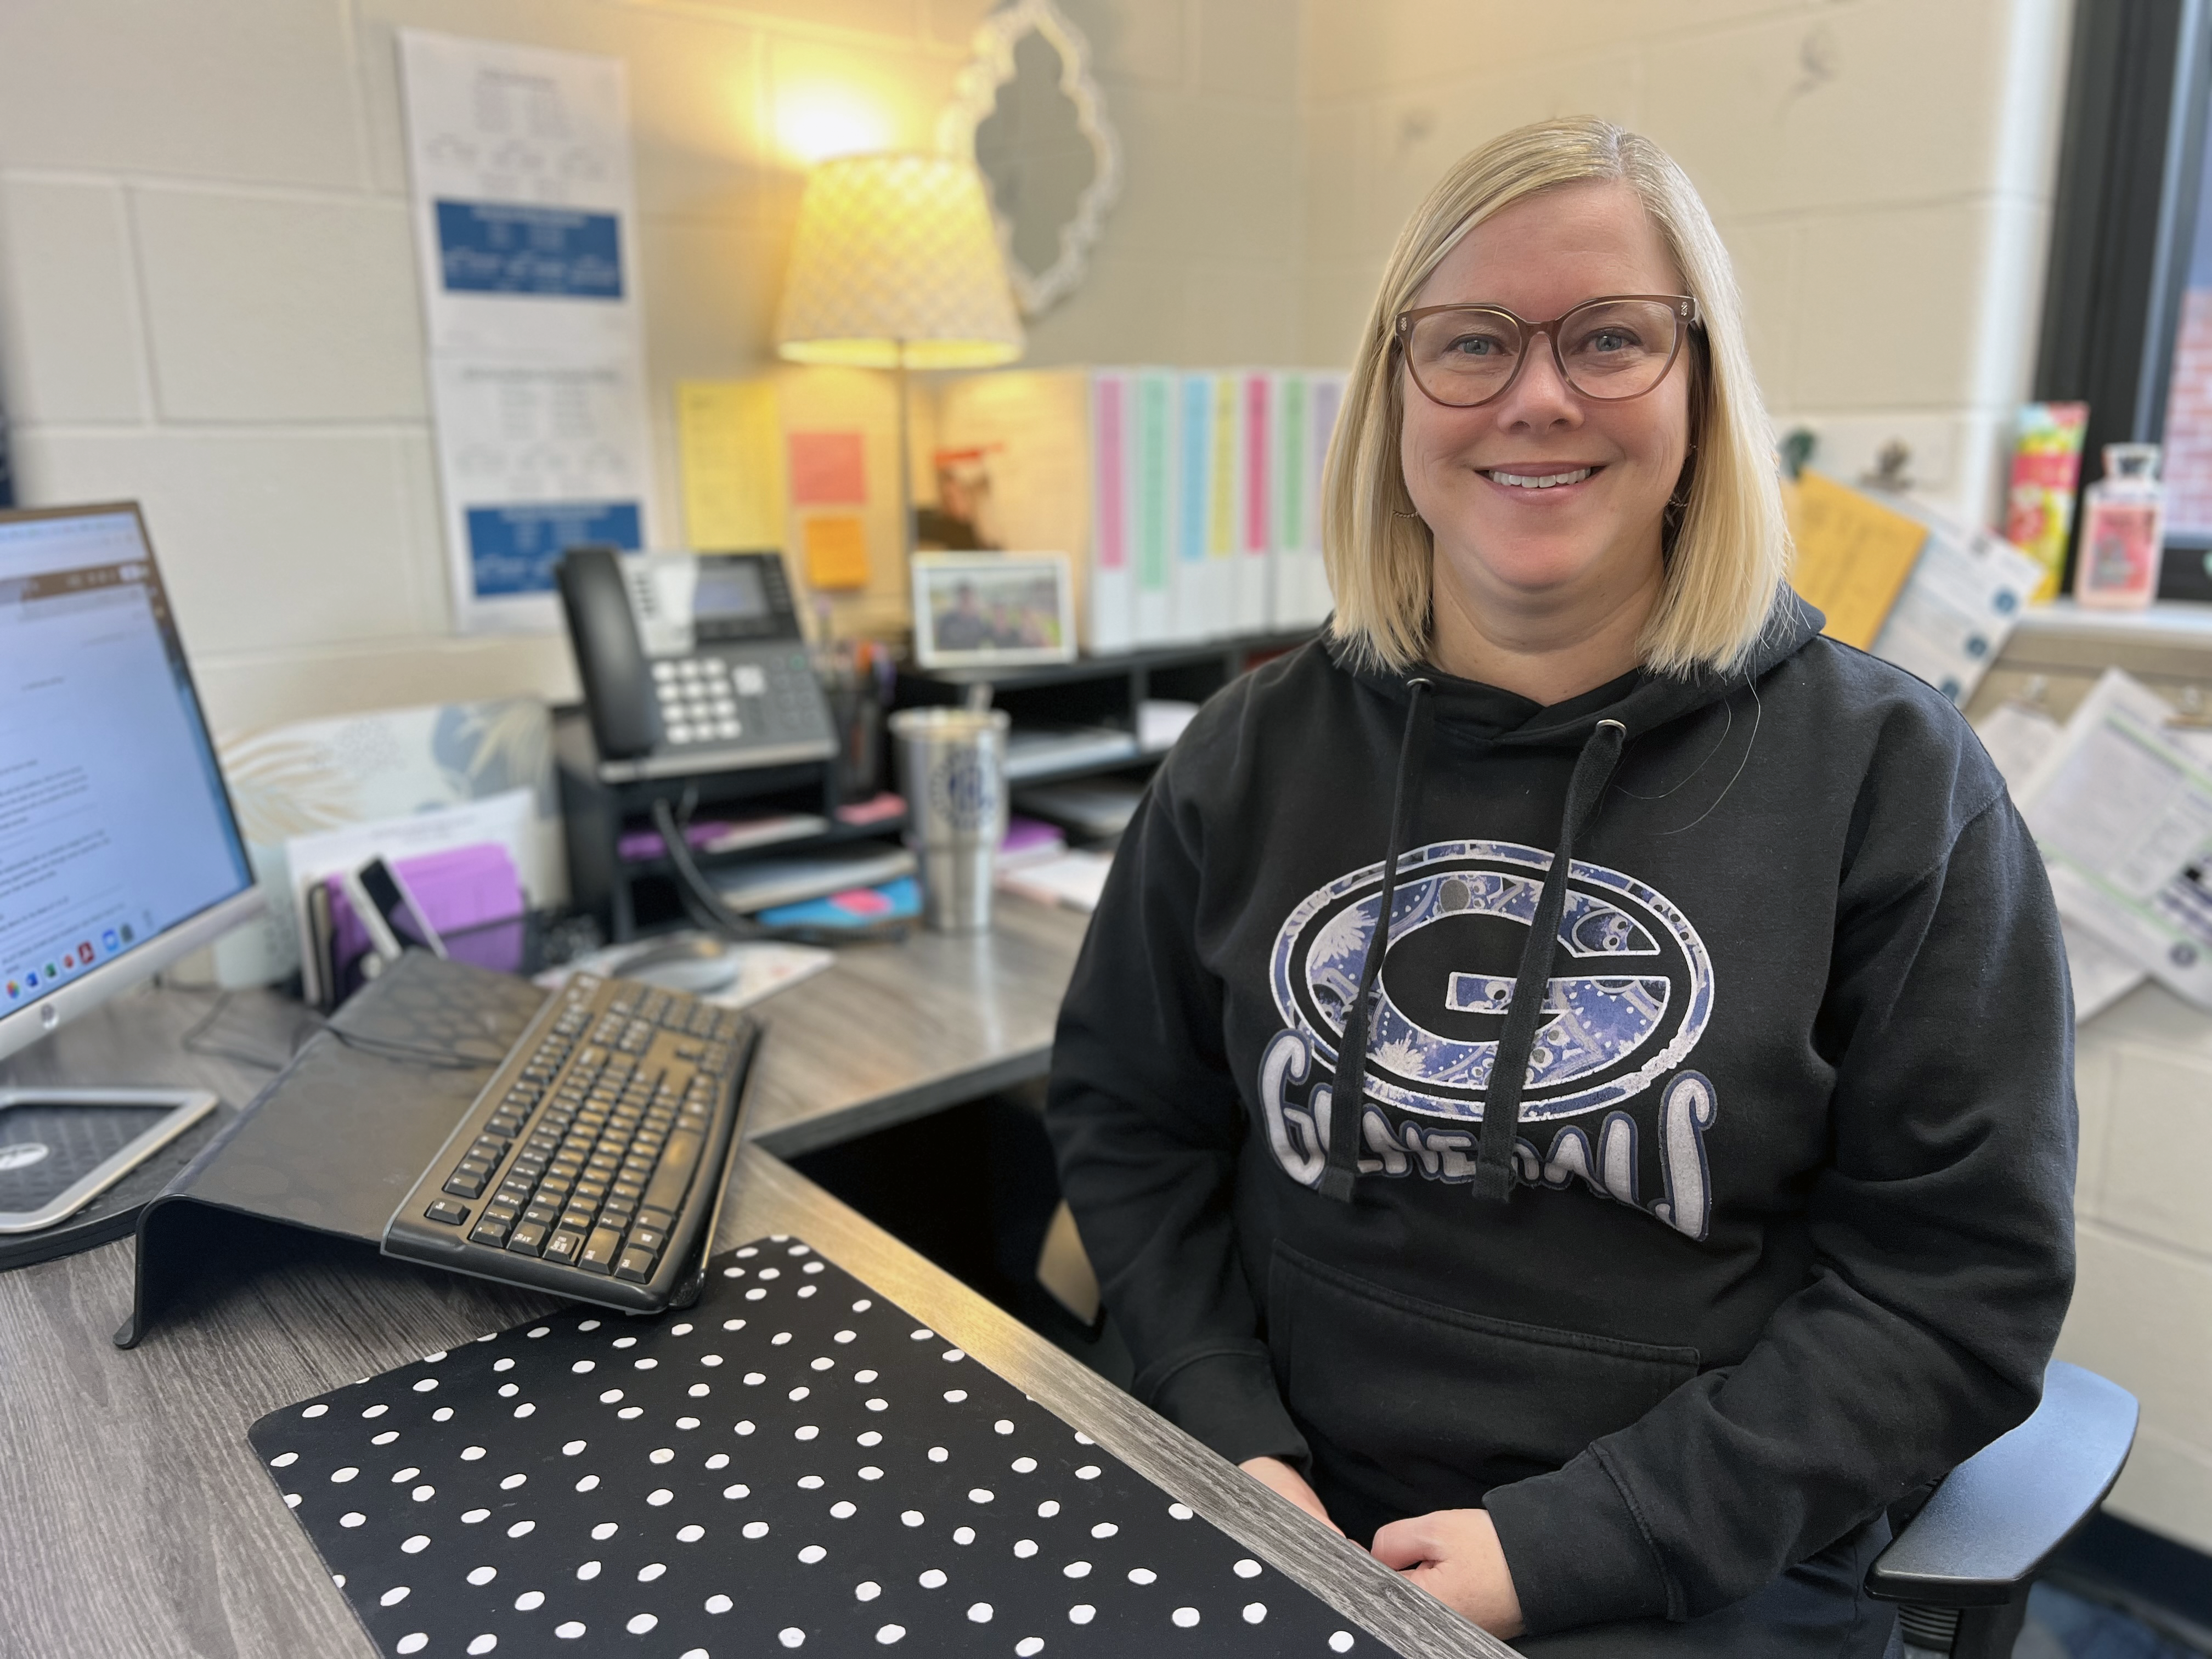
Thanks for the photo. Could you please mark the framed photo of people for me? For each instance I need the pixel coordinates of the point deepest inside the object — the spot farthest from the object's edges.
(991, 609)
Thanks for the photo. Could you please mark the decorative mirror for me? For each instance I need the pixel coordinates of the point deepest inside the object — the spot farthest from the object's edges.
(1027, 111)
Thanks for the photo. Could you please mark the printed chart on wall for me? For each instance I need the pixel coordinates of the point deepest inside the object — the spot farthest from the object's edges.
(525, 231)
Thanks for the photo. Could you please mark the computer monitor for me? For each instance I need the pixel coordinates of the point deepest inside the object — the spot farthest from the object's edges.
(120, 852)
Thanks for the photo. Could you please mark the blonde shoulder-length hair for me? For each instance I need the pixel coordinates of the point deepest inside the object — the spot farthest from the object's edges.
(1727, 548)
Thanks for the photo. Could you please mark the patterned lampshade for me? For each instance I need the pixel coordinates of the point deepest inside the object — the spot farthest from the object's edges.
(896, 265)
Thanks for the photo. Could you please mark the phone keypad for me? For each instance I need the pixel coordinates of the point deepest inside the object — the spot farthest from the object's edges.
(698, 700)
(709, 699)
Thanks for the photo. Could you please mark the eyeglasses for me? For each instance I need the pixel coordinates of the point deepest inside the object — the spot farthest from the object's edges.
(1617, 347)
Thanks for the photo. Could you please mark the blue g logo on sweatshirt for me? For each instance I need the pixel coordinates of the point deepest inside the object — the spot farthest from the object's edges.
(1632, 994)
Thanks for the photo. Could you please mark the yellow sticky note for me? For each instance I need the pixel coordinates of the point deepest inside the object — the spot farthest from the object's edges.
(1853, 555)
(836, 551)
(731, 439)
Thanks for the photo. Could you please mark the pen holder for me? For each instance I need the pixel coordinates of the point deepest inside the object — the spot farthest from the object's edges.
(856, 713)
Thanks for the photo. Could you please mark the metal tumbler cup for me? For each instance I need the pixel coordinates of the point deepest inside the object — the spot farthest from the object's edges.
(952, 770)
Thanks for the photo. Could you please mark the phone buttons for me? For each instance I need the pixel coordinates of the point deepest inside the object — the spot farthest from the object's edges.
(749, 679)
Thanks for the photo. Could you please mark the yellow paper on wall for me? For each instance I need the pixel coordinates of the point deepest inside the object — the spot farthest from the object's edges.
(1853, 555)
(836, 551)
(730, 437)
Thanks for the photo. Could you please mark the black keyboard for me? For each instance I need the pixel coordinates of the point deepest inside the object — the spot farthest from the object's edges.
(593, 1159)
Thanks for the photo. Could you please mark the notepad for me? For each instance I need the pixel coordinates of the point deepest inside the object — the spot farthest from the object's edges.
(796, 1463)
(1853, 555)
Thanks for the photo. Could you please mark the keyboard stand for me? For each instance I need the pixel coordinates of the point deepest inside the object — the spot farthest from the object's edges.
(336, 1139)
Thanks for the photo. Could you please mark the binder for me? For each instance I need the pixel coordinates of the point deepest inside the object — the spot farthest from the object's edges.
(1154, 519)
(1297, 547)
(1222, 499)
(1109, 616)
(1256, 543)
(1198, 583)
(1310, 600)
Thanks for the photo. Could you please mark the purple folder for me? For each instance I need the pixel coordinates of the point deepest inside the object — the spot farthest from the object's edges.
(471, 895)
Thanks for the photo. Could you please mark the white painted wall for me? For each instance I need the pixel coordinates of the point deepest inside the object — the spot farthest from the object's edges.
(207, 297)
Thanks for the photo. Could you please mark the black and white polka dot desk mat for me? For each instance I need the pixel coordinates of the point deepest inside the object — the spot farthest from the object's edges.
(793, 1464)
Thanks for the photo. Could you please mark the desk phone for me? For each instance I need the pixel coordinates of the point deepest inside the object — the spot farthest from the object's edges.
(691, 663)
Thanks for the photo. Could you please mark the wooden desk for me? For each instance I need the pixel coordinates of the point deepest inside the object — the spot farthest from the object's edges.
(135, 1520)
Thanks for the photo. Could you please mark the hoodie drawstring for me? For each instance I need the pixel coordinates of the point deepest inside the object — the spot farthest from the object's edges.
(1343, 1165)
(1532, 985)
(1501, 1115)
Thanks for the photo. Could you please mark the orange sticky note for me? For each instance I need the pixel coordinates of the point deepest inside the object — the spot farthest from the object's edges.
(836, 551)
(828, 469)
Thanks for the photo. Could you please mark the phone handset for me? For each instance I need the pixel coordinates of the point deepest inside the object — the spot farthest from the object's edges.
(611, 658)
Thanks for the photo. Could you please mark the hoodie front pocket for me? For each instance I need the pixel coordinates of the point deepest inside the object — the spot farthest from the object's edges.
(1424, 1406)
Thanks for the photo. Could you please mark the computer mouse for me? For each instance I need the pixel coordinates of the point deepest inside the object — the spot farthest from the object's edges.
(697, 962)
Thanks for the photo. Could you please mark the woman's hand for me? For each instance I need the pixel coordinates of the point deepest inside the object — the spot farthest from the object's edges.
(1454, 1554)
(1285, 1481)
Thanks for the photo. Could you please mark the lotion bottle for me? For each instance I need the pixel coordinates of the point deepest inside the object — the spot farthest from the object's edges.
(2123, 532)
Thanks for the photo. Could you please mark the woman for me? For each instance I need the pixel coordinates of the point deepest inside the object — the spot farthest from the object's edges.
(1710, 1187)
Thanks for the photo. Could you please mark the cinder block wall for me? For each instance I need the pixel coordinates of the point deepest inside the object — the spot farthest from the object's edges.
(208, 293)
(1882, 171)
(2143, 1311)
(207, 302)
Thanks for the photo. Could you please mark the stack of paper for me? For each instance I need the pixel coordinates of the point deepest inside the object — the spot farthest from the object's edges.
(1073, 880)
(1028, 841)
(1161, 721)
(2020, 738)
(764, 968)
(762, 883)
(2122, 807)
(725, 834)
(1036, 751)
(1091, 806)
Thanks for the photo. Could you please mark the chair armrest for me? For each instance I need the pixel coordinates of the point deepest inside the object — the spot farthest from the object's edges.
(2003, 1512)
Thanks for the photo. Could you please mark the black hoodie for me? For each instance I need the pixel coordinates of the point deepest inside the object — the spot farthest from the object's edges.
(1788, 1230)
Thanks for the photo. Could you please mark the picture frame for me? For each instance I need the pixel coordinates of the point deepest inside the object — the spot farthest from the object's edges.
(992, 609)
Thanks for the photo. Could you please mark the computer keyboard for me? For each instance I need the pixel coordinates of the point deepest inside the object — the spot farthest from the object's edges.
(592, 1161)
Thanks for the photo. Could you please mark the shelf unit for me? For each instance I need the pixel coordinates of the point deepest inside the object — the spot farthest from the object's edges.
(632, 897)
(1102, 691)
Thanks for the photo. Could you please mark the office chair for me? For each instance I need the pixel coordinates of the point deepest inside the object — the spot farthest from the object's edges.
(1962, 1565)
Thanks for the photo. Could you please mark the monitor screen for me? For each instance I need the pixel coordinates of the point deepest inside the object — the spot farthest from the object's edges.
(119, 847)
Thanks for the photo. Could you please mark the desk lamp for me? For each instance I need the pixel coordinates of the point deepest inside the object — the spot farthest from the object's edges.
(896, 265)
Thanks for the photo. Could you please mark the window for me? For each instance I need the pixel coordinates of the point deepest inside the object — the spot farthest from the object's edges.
(2127, 324)
(2188, 418)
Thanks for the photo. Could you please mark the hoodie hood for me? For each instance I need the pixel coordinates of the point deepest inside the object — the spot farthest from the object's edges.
(1641, 700)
